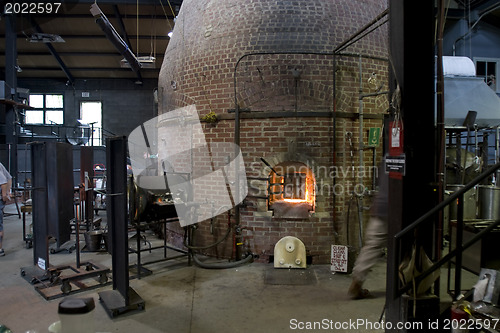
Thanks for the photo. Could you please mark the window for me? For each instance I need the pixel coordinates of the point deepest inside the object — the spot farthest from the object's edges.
(488, 69)
(91, 114)
(48, 109)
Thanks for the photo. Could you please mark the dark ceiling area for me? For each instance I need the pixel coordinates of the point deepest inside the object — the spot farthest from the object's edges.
(486, 10)
(69, 44)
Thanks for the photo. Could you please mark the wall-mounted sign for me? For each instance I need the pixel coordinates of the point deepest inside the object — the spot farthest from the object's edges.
(395, 164)
(374, 136)
(339, 258)
(396, 147)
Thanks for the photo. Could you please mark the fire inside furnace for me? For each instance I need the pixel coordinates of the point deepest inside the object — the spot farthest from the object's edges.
(291, 189)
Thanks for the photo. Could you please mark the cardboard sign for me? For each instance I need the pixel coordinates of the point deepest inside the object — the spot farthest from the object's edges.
(339, 259)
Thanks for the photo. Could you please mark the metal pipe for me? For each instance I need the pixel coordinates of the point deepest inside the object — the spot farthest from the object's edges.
(270, 167)
(11, 128)
(360, 112)
(77, 242)
(459, 246)
(361, 148)
(351, 40)
(441, 134)
(113, 36)
(473, 26)
(334, 142)
(497, 139)
(223, 238)
(237, 210)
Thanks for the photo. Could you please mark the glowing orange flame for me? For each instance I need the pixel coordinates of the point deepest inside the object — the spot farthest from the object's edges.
(307, 198)
(295, 200)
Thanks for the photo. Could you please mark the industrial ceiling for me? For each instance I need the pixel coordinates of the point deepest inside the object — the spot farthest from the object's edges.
(87, 53)
(70, 45)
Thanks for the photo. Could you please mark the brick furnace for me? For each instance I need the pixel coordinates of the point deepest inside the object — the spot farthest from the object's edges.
(263, 75)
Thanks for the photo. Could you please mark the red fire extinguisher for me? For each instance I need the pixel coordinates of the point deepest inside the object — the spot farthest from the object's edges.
(459, 319)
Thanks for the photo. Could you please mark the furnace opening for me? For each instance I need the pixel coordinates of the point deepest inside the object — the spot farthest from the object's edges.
(292, 190)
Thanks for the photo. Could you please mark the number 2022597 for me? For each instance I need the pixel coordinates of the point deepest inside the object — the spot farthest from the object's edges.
(31, 8)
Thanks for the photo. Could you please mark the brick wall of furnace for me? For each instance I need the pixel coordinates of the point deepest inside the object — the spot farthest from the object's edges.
(212, 62)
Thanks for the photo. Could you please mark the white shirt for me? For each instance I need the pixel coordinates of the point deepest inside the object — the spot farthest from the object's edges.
(4, 176)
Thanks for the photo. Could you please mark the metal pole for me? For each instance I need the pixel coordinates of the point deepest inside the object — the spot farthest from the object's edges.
(460, 235)
(77, 243)
(497, 139)
(361, 150)
(441, 134)
(11, 80)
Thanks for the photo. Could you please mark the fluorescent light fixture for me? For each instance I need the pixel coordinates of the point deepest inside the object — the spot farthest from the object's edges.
(146, 62)
(45, 38)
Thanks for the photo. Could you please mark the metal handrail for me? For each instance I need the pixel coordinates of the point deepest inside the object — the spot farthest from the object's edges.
(460, 247)
(449, 200)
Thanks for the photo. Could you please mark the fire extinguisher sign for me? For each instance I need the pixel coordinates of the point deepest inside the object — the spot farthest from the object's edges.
(396, 138)
(395, 164)
(395, 161)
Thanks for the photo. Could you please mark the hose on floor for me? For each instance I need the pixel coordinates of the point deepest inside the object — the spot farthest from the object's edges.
(222, 265)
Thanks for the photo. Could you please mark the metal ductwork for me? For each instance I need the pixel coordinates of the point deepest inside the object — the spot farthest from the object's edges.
(464, 92)
(115, 38)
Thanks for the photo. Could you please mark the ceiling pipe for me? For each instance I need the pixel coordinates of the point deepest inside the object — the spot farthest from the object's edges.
(117, 41)
(121, 24)
(473, 26)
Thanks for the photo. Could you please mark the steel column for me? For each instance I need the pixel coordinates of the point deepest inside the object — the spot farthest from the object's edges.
(11, 130)
(411, 195)
(122, 298)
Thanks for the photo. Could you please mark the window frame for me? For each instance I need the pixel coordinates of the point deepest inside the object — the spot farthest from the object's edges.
(44, 109)
(97, 141)
(497, 69)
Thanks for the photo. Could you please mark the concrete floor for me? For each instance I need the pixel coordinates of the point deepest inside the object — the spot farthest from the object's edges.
(181, 298)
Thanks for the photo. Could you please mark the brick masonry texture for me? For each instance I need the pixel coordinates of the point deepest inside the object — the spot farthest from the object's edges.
(267, 58)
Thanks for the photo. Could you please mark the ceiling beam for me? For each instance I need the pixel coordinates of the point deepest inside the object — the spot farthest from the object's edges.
(66, 37)
(119, 2)
(54, 54)
(79, 54)
(60, 16)
(122, 27)
(87, 69)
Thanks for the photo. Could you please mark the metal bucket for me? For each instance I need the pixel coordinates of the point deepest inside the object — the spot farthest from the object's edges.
(489, 202)
(469, 203)
(93, 240)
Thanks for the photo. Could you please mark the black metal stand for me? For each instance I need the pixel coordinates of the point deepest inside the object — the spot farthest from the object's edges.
(52, 198)
(64, 280)
(141, 270)
(122, 298)
(52, 212)
(27, 238)
(116, 304)
(87, 185)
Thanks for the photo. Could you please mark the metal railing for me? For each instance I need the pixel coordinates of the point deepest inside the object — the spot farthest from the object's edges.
(460, 247)
(58, 132)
